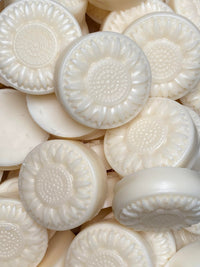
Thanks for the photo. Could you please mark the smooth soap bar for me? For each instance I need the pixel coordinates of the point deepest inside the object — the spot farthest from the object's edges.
(158, 199)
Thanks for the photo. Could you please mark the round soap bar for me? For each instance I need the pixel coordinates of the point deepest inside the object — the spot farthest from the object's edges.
(184, 238)
(187, 8)
(49, 114)
(33, 33)
(188, 256)
(115, 4)
(62, 184)
(108, 244)
(118, 21)
(103, 80)
(171, 44)
(163, 134)
(162, 244)
(158, 199)
(23, 241)
(19, 133)
(192, 100)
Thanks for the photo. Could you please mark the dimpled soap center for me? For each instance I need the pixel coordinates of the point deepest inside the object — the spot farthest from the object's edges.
(162, 219)
(165, 59)
(108, 82)
(35, 45)
(54, 185)
(146, 135)
(11, 241)
(105, 258)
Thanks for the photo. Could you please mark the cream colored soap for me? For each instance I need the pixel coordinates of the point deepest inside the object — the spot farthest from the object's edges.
(108, 244)
(19, 133)
(84, 28)
(23, 241)
(118, 21)
(158, 199)
(163, 246)
(49, 114)
(192, 100)
(62, 184)
(57, 250)
(188, 256)
(33, 33)
(184, 238)
(103, 81)
(172, 46)
(163, 134)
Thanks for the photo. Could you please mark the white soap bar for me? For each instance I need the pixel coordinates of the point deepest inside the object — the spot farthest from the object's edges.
(57, 250)
(171, 44)
(188, 256)
(62, 184)
(163, 246)
(98, 147)
(33, 33)
(49, 114)
(84, 27)
(163, 134)
(184, 238)
(195, 229)
(97, 134)
(192, 100)
(23, 241)
(9, 189)
(108, 244)
(187, 8)
(114, 4)
(96, 14)
(158, 199)
(103, 81)
(118, 21)
(19, 133)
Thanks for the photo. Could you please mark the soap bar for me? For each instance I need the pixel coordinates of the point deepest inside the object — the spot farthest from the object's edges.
(33, 33)
(162, 244)
(108, 244)
(23, 241)
(171, 44)
(163, 134)
(103, 81)
(57, 250)
(49, 114)
(96, 14)
(118, 21)
(188, 256)
(158, 199)
(19, 133)
(115, 4)
(62, 184)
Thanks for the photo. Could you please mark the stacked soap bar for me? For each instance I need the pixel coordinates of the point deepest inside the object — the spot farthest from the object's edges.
(100, 133)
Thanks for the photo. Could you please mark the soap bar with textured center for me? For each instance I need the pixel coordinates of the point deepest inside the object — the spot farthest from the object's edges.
(23, 241)
(172, 46)
(62, 184)
(103, 81)
(32, 35)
